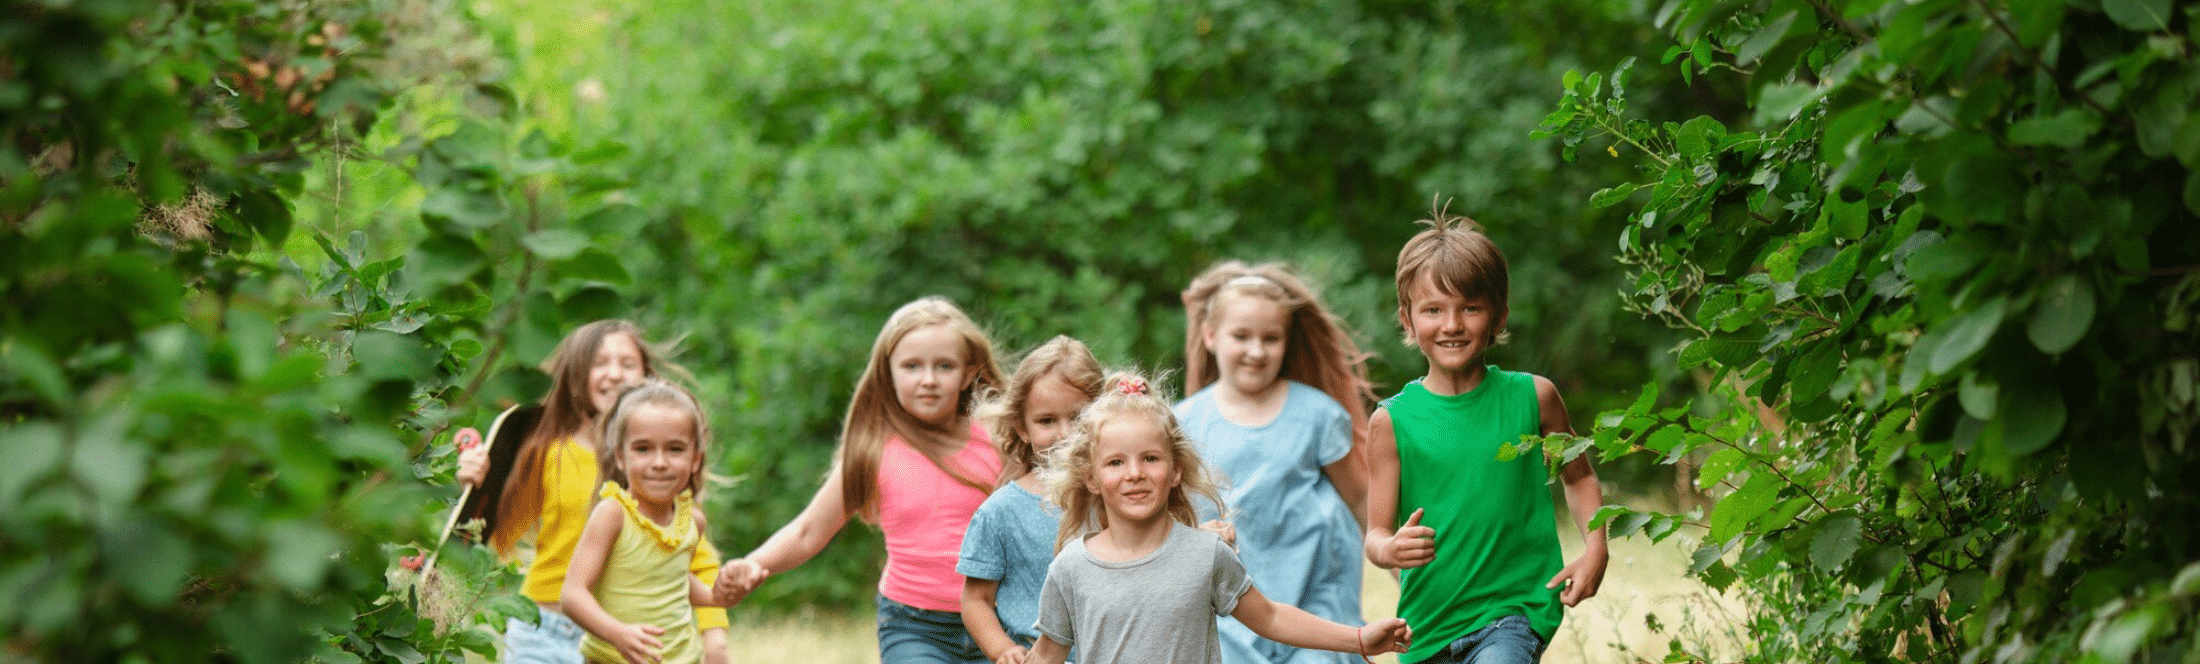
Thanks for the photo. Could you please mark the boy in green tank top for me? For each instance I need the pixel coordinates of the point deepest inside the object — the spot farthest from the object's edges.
(1481, 580)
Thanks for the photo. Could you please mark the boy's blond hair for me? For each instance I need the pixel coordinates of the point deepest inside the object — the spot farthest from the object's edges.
(1459, 260)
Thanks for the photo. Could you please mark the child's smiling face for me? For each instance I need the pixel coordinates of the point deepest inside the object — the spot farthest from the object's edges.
(1453, 331)
(1247, 336)
(618, 363)
(659, 452)
(1133, 470)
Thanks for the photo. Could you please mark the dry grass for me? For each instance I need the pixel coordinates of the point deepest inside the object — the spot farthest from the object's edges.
(1643, 580)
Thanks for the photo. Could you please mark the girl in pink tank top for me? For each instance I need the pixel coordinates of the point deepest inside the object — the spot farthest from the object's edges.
(912, 461)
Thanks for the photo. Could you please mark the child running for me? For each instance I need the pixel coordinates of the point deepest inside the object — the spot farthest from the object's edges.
(629, 584)
(1483, 580)
(1135, 581)
(553, 481)
(1280, 409)
(911, 460)
(1011, 538)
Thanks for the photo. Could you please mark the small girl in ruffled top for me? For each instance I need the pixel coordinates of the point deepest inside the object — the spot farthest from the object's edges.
(629, 584)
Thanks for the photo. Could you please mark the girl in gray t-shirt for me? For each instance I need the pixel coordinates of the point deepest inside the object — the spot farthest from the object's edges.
(1134, 580)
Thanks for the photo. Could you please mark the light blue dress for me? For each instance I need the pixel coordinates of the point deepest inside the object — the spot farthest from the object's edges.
(1294, 532)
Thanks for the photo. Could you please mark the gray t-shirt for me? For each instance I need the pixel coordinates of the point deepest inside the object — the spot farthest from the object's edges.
(1159, 608)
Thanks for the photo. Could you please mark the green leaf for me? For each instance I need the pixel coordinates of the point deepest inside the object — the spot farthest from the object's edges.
(591, 264)
(2067, 129)
(2138, 15)
(1979, 394)
(299, 552)
(29, 364)
(112, 467)
(1610, 196)
(2064, 314)
(1718, 466)
(1736, 511)
(389, 356)
(470, 209)
(151, 561)
(1967, 334)
(35, 449)
(1837, 539)
(556, 243)
(1780, 102)
(2032, 415)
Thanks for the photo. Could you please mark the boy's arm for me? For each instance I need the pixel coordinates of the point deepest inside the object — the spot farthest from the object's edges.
(637, 643)
(1584, 496)
(1293, 626)
(979, 597)
(1411, 545)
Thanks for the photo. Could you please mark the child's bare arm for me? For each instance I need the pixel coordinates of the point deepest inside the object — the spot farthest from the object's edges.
(809, 532)
(1046, 651)
(637, 643)
(979, 599)
(1584, 496)
(1293, 626)
(1350, 476)
(1411, 544)
(700, 592)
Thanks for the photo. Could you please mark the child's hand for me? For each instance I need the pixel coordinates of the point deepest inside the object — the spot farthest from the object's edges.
(1011, 655)
(1581, 578)
(1413, 545)
(736, 579)
(473, 457)
(637, 643)
(1222, 529)
(1386, 635)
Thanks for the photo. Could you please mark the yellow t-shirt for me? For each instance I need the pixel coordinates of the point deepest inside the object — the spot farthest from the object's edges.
(569, 486)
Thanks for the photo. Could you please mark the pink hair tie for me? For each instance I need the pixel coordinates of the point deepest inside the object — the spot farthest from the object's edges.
(1132, 385)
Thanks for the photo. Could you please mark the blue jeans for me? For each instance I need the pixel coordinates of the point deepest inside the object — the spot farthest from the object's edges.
(907, 634)
(556, 641)
(1508, 641)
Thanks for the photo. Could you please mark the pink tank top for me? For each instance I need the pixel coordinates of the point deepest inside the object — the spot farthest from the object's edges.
(924, 512)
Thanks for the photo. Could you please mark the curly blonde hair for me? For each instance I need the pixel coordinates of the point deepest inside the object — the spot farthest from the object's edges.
(1070, 462)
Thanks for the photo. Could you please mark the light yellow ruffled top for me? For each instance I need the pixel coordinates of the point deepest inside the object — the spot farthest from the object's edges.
(645, 580)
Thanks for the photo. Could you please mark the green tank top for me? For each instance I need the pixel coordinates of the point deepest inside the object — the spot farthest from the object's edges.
(1496, 536)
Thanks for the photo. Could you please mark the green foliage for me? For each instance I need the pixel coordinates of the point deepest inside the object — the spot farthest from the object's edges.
(215, 451)
(1939, 271)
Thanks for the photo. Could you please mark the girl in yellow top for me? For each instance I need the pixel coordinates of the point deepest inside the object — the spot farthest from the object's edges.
(629, 584)
(553, 482)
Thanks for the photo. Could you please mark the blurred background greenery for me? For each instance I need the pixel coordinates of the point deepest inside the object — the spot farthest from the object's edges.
(798, 169)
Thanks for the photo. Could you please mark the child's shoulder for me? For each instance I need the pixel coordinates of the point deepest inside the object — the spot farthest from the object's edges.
(1308, 397)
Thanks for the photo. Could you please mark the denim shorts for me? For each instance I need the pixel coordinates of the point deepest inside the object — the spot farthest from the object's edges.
(1510, 640)
(556, 641)
(907, 634)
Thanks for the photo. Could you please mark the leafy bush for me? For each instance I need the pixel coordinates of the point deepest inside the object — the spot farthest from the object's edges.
(1942, 272)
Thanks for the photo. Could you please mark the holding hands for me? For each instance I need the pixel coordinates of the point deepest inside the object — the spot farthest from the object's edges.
(1412, 545)
(736, 579)
(1386, 635)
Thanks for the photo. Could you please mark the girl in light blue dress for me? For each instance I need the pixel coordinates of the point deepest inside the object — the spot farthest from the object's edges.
(1279, 407)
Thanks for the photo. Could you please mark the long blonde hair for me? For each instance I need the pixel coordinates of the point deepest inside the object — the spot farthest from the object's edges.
(566, 413)
(1069, 463)
(875, 415)
(1317, 349)
(663, 394)
(1002, 411)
